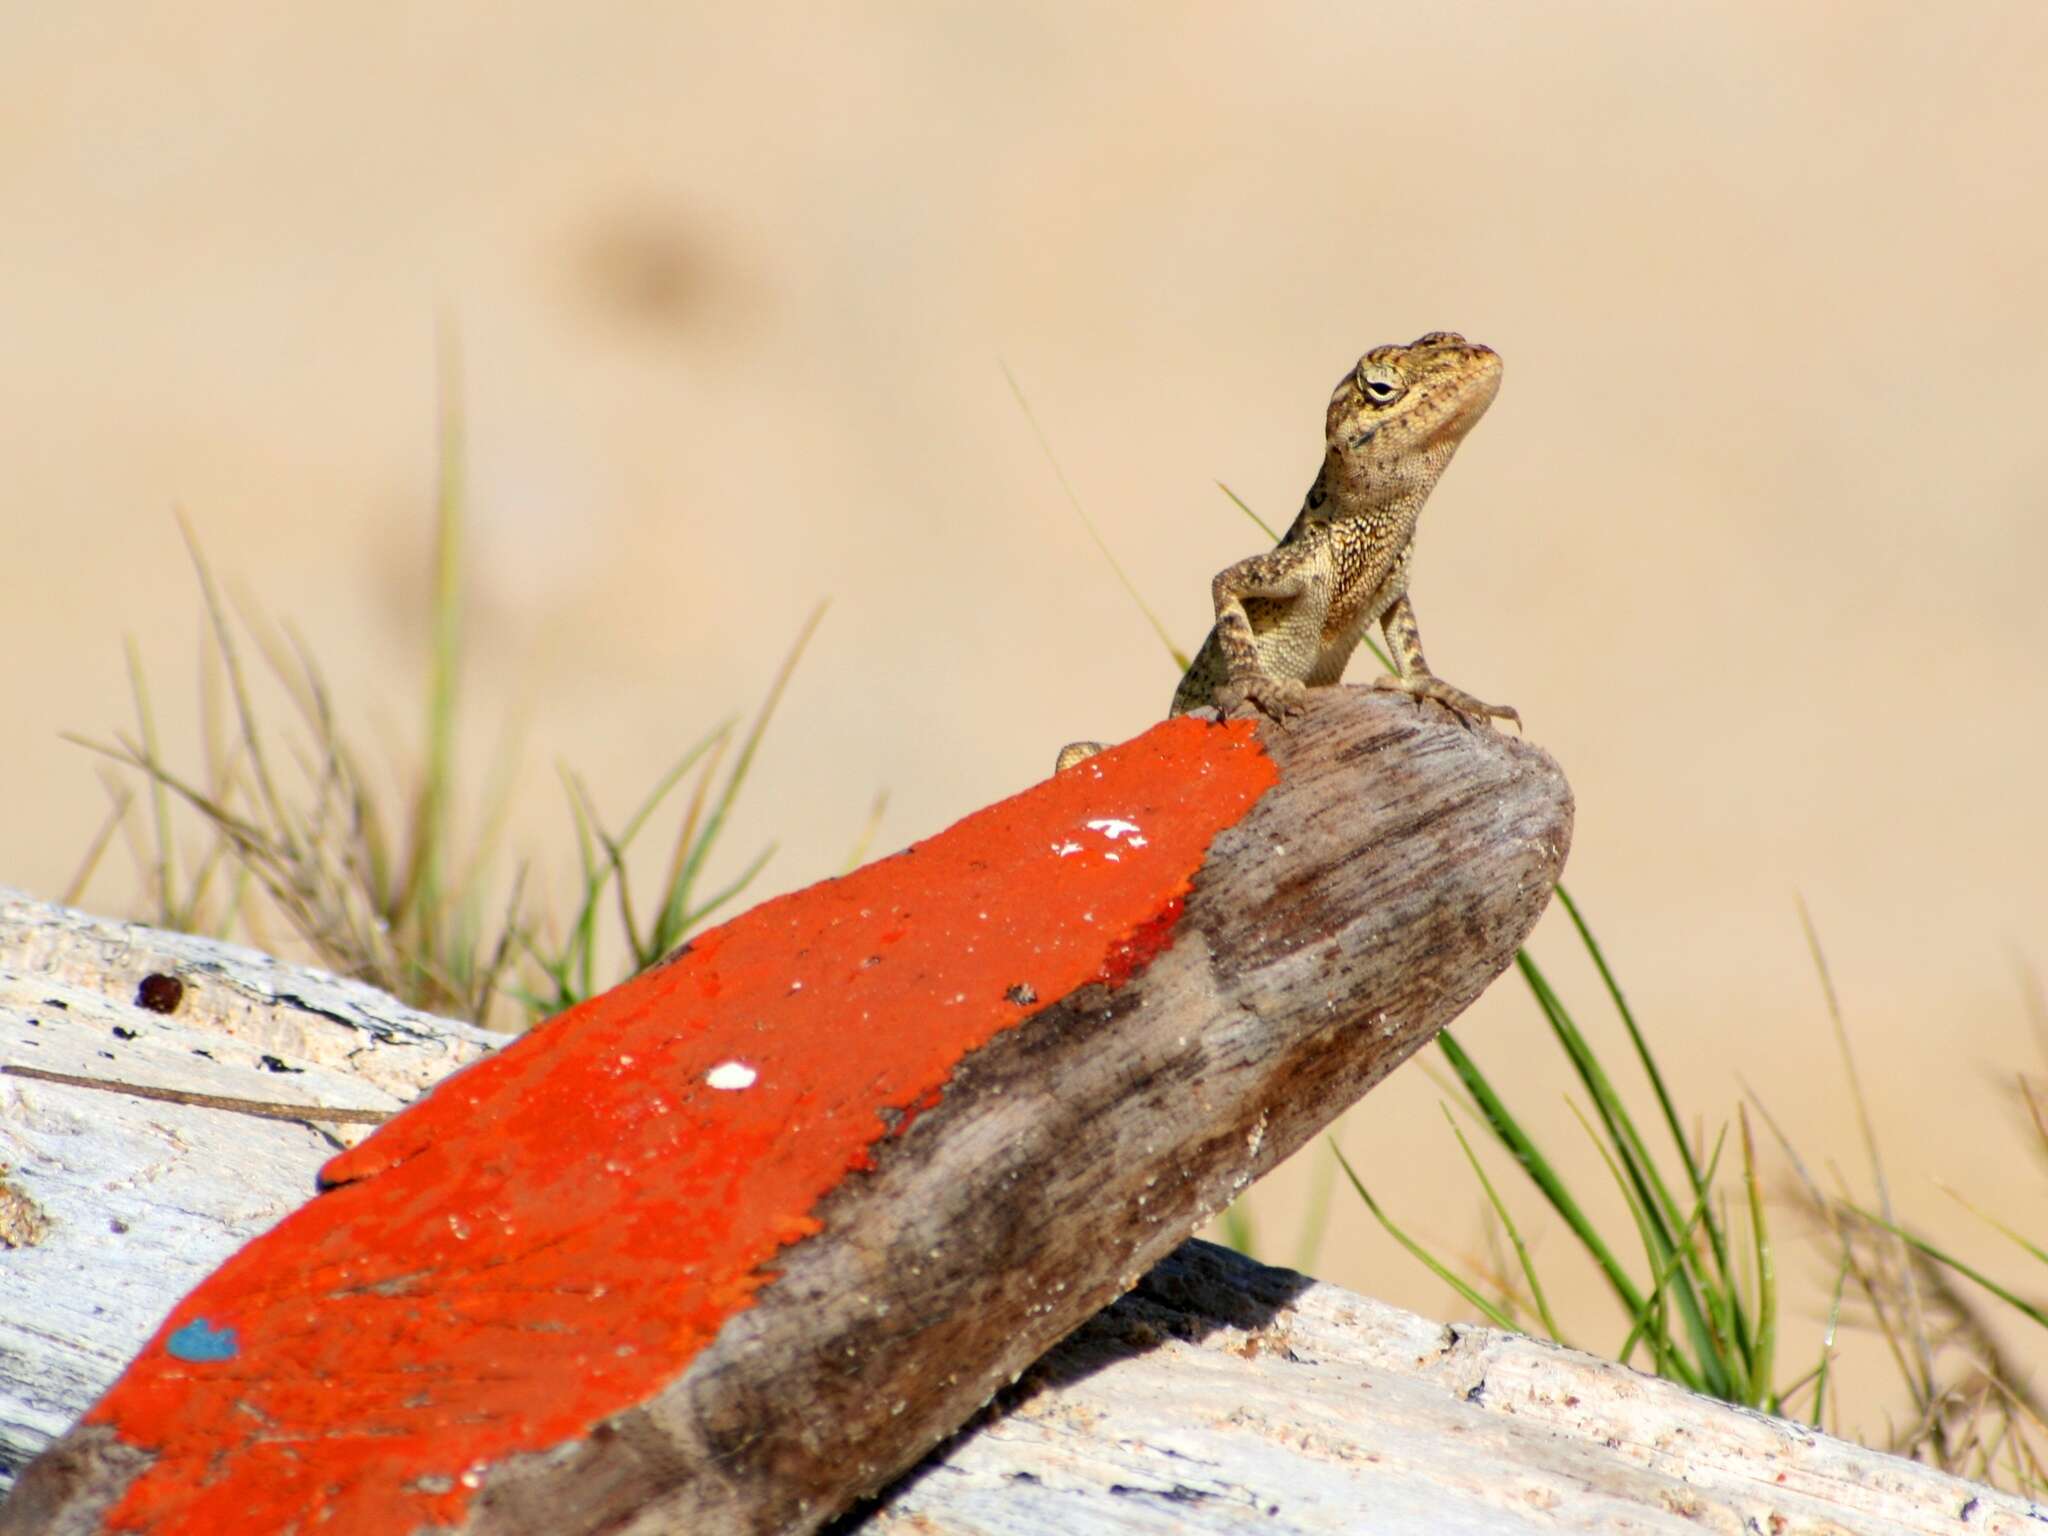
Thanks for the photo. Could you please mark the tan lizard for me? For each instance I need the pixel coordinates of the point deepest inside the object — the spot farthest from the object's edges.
(1288, 620)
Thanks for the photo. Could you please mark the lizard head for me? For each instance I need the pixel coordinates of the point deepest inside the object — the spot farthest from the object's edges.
(1396, 418)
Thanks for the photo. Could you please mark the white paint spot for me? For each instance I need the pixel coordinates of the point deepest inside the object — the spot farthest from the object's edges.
(1114, 827)
(731, 1075)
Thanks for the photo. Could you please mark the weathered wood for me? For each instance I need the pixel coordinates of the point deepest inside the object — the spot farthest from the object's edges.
(1331, 930)
(1357, 910)
(1221, 1396)
(134, 1202)
(1217, 1396)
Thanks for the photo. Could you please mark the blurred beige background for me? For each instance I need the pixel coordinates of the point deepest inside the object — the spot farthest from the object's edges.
(1753, 536)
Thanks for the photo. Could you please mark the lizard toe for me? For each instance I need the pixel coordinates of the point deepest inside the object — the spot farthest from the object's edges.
(1279, 697)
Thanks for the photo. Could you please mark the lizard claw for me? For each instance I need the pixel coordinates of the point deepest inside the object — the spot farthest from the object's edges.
(1456, 700)
(1277, 697)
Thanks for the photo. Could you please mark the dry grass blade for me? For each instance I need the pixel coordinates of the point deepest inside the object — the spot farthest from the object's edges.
(1967, 1390)
(865, 839)
(123, 798)
(1916, 1331)
(1180, 657)
(238, 688)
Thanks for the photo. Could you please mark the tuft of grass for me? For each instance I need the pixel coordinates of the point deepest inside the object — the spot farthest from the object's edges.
(290, 826)
(1700, 1300)
(1975, 1410)
(1706, 1308)
(568, 964)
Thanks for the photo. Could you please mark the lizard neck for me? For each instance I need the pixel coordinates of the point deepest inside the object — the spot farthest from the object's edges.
(1348, 491)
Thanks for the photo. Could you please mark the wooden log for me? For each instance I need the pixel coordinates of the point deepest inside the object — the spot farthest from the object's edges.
(1221, 1396)
(1217, 1394)
(124, 1204)
(740, 1240)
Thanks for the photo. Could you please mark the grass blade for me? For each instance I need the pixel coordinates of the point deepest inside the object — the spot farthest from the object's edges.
(1524, 1150)
(1472, 1298)
(1180, 658)
(672, 925)
(428, 877)
(1507, 1221)
(1238, 502)
(1948, 1261)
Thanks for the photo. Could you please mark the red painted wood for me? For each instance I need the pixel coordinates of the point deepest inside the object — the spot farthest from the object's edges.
(553, 1233)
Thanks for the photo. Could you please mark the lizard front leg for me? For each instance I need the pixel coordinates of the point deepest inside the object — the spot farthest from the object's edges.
(1268, 668)
(1237, 664)
(1404, 640)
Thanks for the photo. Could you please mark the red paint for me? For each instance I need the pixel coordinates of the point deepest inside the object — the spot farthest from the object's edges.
(1129, 956)
(551, 1235)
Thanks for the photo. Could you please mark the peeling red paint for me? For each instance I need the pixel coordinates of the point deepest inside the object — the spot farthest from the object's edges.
(1129, 956)
(549, 1237)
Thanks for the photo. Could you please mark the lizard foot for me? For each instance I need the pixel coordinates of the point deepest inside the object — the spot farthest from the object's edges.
(1278, 697)
(1456, 700)
(1075, 752)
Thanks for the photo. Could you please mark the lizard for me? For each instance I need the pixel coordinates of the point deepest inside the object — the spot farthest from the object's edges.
(1288, 620)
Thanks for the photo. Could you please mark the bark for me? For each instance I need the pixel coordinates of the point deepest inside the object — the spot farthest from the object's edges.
(1363, 901)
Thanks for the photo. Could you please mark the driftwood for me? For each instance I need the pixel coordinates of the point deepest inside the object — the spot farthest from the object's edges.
(739, 1241)
(1221, 1396)
(1357, 909)
(1217, 1395)
(119, 1205)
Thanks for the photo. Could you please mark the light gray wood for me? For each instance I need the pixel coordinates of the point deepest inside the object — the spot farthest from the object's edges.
(1222, 1396)
(121, 1204)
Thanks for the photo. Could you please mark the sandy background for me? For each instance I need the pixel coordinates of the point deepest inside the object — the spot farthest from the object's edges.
(1753, 536)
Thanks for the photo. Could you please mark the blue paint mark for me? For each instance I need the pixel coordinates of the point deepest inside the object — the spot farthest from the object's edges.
(199, 1342)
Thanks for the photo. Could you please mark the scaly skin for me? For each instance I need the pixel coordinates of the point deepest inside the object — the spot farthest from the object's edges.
(1288, 620)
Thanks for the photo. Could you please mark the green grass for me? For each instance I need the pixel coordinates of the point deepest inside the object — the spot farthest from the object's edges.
(1692, 1267)
(1698, 1298)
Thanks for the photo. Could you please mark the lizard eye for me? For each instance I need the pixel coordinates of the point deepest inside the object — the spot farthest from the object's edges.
(1379, 384)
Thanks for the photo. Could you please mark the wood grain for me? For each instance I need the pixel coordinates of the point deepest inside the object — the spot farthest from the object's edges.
(1361, 903)
(1356, 911)
(1222, 1396)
